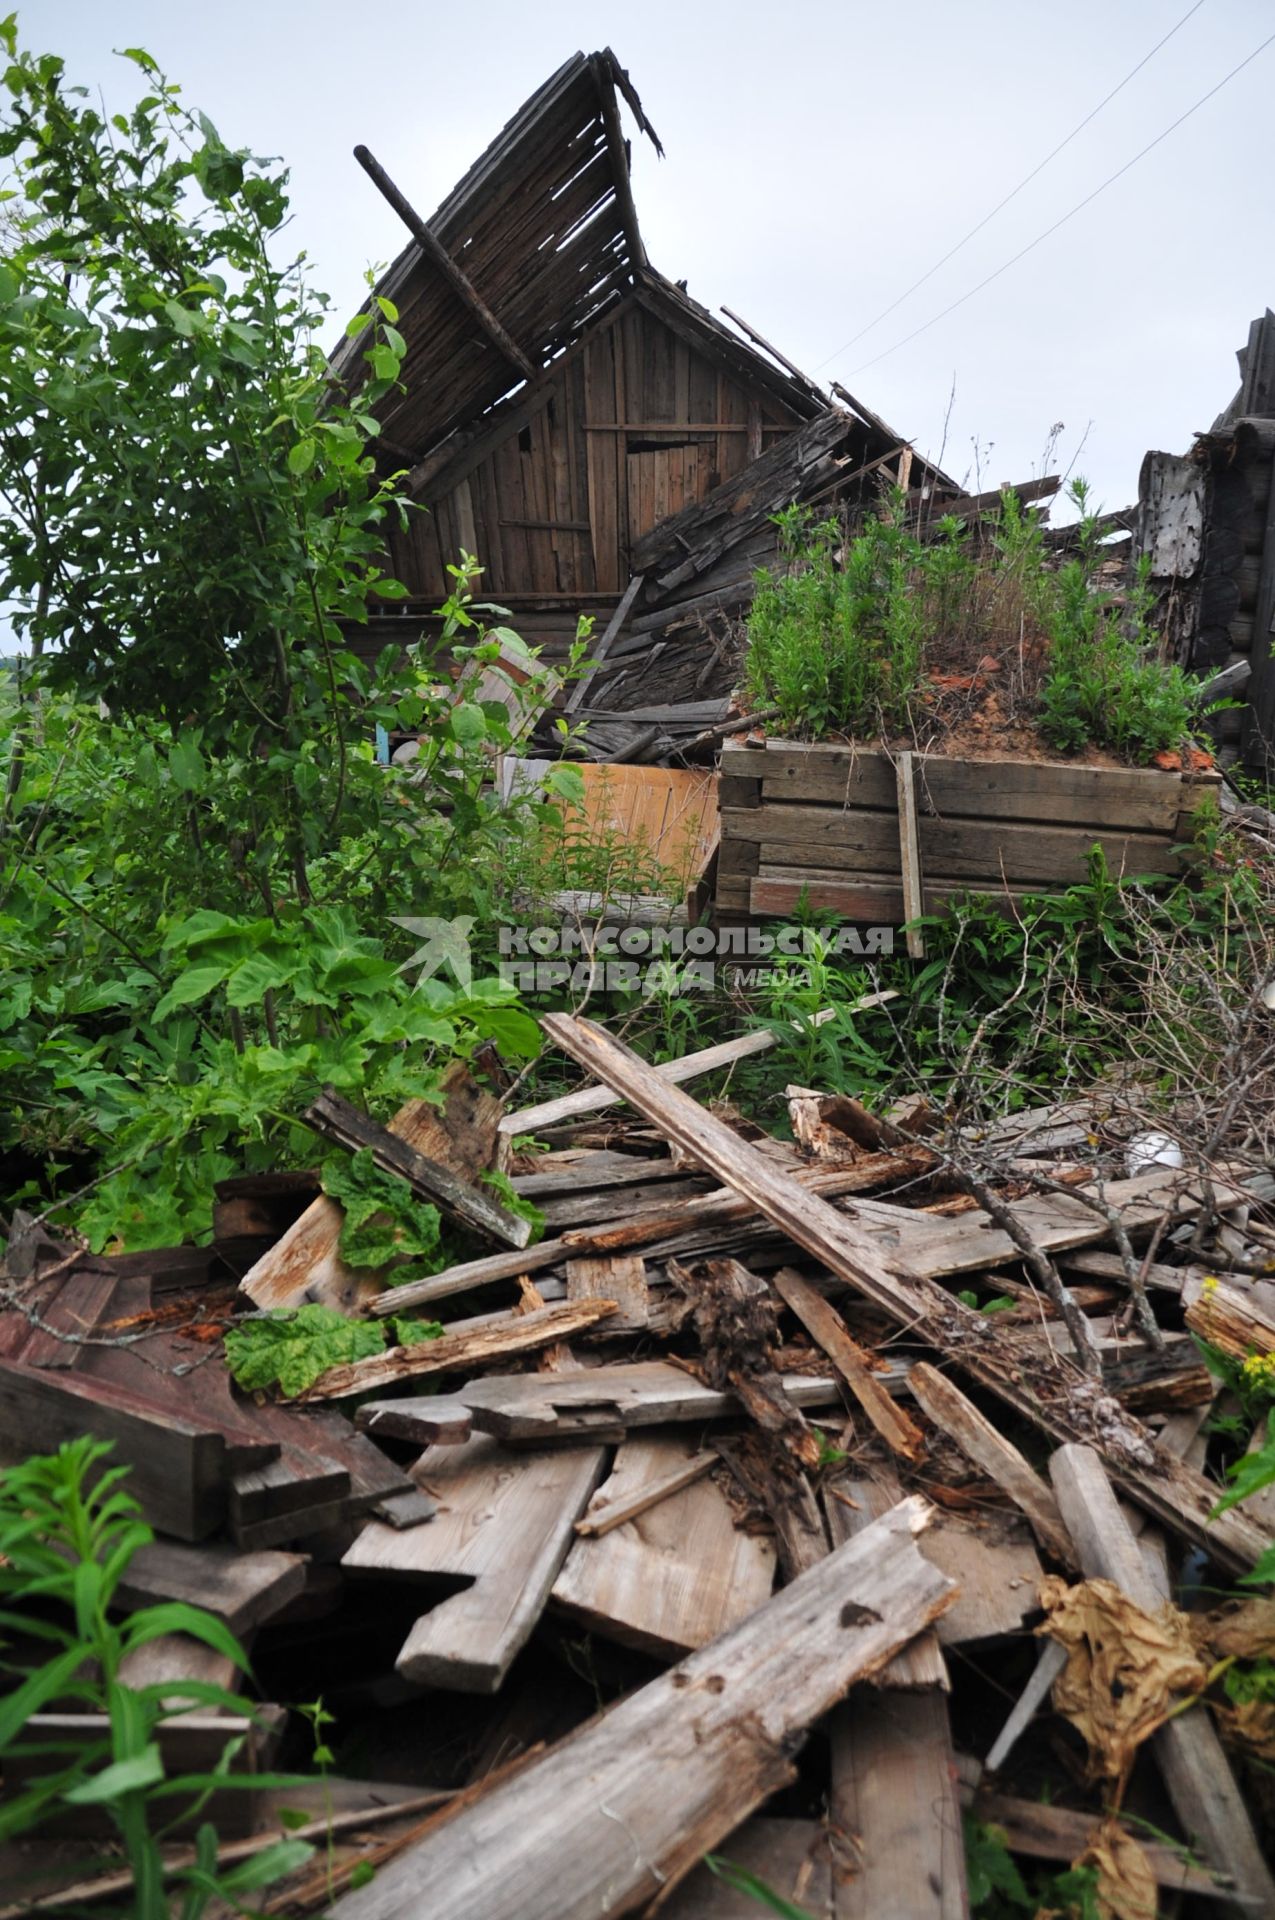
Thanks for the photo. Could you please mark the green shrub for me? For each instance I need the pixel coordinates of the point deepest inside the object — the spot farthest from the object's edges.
(842, 634)
(1106, 684)
(835, 640)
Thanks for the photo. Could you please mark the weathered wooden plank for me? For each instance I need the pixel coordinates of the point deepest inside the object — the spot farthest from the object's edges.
(997, 1572)
(620, 1278)
(1195, 1768)
(676, 1574)
(1050, 1663)
(607, 1401)
(957, 1416)
(463, 1346)
(951, 849)
(1229, 1318)
(242, 1589)
(504, 1524)
(910, 866)
(610, 635)
(851, 1503)
(1050, 1393)
(829, 774)
(862, 899)
(688, 1066)
(825, 1325)
(283, 1485)
(439, 1420)
(609, 1509)
(895, 1791)
(655, 1783)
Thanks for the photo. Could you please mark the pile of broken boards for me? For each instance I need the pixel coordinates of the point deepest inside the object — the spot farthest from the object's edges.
(711, 1527)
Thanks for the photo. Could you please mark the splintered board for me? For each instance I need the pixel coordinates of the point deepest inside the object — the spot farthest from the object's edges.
(503, 1526)
(305, 1263)
(674, 1577)
(822, 820)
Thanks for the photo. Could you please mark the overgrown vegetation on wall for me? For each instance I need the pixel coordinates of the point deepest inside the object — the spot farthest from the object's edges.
(858, 632)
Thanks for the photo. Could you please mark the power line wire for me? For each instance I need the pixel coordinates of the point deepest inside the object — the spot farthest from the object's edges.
(1069, 215)
(1015, 191)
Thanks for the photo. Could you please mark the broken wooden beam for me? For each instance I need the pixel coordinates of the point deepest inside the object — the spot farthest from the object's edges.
(605, 1402)
(688, 1067)
(620, 1501)
(655, 1783)
(504, 1526)
(1050, 1393)
(895, 1790)
(465, 1345)
(337, 1119)
(956, 1415)
(826, 1327)
(439, 258)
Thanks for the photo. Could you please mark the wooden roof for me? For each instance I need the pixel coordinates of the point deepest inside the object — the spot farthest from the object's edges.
(543, 231)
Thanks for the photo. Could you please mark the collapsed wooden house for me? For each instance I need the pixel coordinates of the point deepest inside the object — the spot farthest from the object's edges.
(602, 443)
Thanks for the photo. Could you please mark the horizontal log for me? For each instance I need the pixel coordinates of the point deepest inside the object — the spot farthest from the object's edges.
(870, 900)
(965, 850)
(1144, 800)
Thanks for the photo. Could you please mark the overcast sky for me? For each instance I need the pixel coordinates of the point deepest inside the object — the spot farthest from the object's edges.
(820, 157)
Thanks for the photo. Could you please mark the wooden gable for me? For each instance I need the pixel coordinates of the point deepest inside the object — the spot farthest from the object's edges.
(631, 425)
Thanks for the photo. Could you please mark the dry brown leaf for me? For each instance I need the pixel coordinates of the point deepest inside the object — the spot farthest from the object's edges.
(1126, 1883)
(1123, 1669)
(1244, 1630)
(1248, 1725)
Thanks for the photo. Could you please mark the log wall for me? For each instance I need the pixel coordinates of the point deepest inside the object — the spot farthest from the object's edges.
(823, 820)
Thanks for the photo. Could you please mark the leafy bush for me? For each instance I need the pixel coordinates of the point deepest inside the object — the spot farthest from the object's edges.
(836, 642)
(1106, 684)
(203, 871)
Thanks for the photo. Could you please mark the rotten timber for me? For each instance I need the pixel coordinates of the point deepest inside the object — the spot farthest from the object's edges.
(1052, 1394)
(655, 1783)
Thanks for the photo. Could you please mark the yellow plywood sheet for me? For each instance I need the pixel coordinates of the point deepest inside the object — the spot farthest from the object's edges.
(671, 811)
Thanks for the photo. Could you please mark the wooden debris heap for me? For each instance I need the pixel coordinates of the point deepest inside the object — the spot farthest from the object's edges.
(677, 1523)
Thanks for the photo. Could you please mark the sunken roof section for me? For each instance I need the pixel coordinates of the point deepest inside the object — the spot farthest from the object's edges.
(538, 236)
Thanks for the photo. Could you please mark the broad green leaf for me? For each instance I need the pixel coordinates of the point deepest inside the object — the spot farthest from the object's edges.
(193, 985)
(183, 320)
(122, 1776)
(186, 764)
(264, 1868)
(291, 1349)
(469, 723)
(301, 456)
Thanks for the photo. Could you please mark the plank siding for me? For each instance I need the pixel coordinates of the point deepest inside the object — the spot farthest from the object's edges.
(621, 435)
